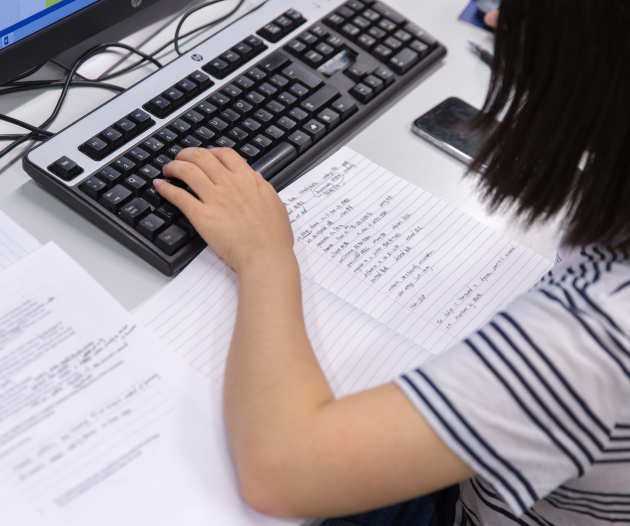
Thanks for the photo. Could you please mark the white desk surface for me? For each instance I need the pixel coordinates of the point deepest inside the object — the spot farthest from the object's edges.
(387, 141)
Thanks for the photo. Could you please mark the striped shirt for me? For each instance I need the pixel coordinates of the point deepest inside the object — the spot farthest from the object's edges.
(537, 402)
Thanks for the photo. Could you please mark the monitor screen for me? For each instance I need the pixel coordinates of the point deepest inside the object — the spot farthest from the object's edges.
(21, 18)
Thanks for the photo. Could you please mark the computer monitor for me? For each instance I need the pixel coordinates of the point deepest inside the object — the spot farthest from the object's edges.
(34, 31)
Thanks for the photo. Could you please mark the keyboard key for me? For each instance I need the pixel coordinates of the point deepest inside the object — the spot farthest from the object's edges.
(159, 106)
(193, 117)
(287, 99)
(263, 115)
(249, 152)
(172, 239)
(230, 115)
(201, 79)
(393, 43)
(386, 75)
(389, 13)
(299, 90)
(275, 160)
(95, 148)
(382, 52)
(296, 47)
(279, 81)
(275, 61)
(419, 47)
(271, 32)
(274, 132)
(256, 74)
(243, 107)
(275, 107)
(315, 129)
(134, 210)
(255, 98)
(218, 68)
(220, 100)
(361, 22)
(232, 91)
(404, 61)
(350, 30)
(114, 198)
(175, 96)
(245, 83)
(152, 196)
(303, 75)
(93, 187)
(190, 142)
(238, 135)
(244, 50)
(363, 93)
(109, 175)
(298, 114)
(112, 137)
(377, 33)
(206, 109)
(308, 38)
(300, 140)
(345, 107)
(141, 118)
(287, 123)
(166, 136)
(334, 20)
(127, 127)
(330, 118)
(224, 142)
(232, 58)
(167, 210)
(319, 31)
(180, 127)
(153, 145)
(262, 141)
(124, 165)
(138, 155)
(387, 25)
(149, 172)
(205, 135)
(313, 58)
(375, 83)
(250, 125)
(217, 124)
(356, 72)
(162, 160)
(403, 36)
(320, 98)
(150, 226)
(136, 184)
(366, 41)
(267, 89)
(371, 15)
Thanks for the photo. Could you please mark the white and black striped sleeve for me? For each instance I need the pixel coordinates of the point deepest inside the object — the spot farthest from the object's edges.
(530, 400)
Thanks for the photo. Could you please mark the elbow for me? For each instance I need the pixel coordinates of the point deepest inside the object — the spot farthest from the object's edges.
(267, 487)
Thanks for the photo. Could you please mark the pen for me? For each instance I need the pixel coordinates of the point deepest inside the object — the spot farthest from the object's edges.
(484, 55)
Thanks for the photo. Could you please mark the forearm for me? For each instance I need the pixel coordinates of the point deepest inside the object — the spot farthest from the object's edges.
(273, 380)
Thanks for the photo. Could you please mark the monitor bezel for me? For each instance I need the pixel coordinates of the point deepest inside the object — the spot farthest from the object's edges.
(38, 48)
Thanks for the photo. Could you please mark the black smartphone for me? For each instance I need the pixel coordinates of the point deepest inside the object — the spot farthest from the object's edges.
(448, 126)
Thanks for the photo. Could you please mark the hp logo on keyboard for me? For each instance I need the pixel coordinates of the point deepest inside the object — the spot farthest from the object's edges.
(197, 57)
(136, 3)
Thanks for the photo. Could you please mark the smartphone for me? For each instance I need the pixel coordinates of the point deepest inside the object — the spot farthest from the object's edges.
(448, 126)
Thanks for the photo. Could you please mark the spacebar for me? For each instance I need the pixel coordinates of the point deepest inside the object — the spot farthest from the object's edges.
(274, 161)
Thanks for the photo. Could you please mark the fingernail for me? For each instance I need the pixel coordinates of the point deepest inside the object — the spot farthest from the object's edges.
(158, 182)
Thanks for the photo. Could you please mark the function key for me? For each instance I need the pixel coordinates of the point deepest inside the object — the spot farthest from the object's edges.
(244, 50)
(285, 23)
(175, 96)
(141, 118)
(127, 127)
(201, 79)
(334, 20)
(159, 106)
(296, 17)
(271, 32)
(112, 137)
(93, 187)
(218, 67)
(65, 168)
(255, 43)
(95, 148)
(232, 58)
(172, 239)
(187, 87)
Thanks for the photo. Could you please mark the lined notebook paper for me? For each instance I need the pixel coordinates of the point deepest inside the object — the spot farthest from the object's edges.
(15, 242)
(390, 274)
(417, 264)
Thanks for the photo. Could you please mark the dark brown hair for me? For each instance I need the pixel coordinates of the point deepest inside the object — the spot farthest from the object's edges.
(561, 81)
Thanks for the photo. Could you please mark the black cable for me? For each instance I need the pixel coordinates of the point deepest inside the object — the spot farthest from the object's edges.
(67, 83)
(27, 73)
(48, 84)
(24, 125)
(194, 10)
(194, 31)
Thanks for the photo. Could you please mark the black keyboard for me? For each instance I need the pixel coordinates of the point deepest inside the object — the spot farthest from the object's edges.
(288, 88)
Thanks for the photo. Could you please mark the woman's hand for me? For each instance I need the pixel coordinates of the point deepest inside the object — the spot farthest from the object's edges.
(492, 19)
(236, 211)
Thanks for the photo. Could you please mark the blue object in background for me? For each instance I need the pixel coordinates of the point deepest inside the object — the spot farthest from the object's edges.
(472, 15)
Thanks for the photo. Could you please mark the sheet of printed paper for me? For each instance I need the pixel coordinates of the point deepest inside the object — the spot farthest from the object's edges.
(92, 428)
(15, 242)
(415, 263)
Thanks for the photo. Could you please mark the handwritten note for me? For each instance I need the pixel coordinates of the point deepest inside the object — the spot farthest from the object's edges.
(415, 263)
(15, 242)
